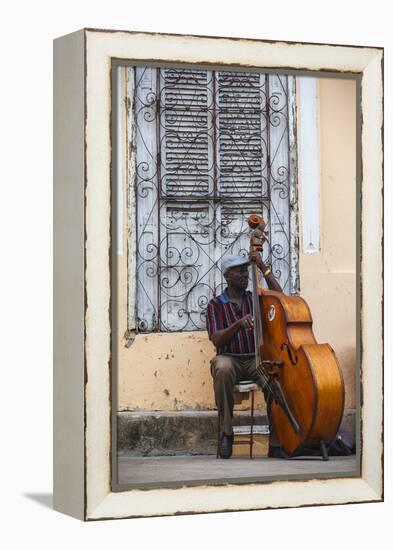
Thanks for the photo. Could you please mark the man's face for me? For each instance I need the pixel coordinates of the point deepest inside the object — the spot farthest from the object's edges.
(237, 277)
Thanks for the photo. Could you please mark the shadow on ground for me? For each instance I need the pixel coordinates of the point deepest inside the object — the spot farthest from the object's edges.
(45, 499)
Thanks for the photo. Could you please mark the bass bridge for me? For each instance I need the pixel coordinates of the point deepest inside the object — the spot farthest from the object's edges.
(272, 368)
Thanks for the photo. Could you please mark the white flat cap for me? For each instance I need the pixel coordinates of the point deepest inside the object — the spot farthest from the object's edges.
(233, 261)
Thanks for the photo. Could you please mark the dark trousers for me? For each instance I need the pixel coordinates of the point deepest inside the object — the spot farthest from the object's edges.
(227, 371)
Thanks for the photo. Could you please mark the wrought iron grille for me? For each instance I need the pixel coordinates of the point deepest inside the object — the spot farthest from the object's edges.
(209, 148)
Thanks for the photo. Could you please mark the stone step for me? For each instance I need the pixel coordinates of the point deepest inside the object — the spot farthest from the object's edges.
(161, 433)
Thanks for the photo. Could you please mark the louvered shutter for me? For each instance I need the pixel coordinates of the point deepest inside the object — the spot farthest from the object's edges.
(173, 186)
(186, 185)
(253, 156)
(241, 156)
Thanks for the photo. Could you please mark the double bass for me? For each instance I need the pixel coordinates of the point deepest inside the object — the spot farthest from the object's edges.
(302, 377)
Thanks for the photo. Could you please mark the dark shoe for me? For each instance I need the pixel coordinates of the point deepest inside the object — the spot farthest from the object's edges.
(276, 452)
(226, 446)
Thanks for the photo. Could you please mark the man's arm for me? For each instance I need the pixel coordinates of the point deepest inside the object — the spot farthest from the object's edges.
(222, 337)
(219, 335)
(270, 279)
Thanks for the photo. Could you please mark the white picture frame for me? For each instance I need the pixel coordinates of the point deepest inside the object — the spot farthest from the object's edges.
(82, 207)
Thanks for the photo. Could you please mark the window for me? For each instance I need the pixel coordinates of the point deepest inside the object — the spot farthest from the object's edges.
(206, 149)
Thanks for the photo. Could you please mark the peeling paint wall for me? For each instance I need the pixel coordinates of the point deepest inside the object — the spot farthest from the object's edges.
(167, 372)
(172, 371)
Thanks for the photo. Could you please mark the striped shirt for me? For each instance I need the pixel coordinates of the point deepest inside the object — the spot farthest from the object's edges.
(221, 313)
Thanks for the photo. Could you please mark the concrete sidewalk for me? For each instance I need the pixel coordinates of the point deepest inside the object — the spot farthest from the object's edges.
(177, 470)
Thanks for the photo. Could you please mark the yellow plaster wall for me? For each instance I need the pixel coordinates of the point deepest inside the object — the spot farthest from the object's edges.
(171, 371)
(327, 279)
(167, 372)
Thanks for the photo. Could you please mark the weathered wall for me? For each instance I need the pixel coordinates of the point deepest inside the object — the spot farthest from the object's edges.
(327, 278)
(167, 372)
(171, 371)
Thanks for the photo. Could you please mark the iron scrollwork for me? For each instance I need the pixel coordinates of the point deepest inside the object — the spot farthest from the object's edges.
(210, 148)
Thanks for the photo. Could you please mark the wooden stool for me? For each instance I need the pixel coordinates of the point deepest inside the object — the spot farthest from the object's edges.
(245, 387)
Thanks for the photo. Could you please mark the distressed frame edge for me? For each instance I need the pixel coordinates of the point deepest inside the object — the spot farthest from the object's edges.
(375, 486)
(68, 251)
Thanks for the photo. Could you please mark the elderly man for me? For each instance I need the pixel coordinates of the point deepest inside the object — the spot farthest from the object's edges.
(230, 327)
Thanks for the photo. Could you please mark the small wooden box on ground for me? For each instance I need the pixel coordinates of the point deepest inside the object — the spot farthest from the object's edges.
(261, 441)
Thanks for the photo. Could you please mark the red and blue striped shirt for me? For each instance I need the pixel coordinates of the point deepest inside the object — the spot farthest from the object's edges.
(221, 313)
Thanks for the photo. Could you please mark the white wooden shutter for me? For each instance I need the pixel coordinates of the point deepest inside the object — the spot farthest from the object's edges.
(241, 156)
(255, 173)
(281, 179)
(147, 198)
(187, 185)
